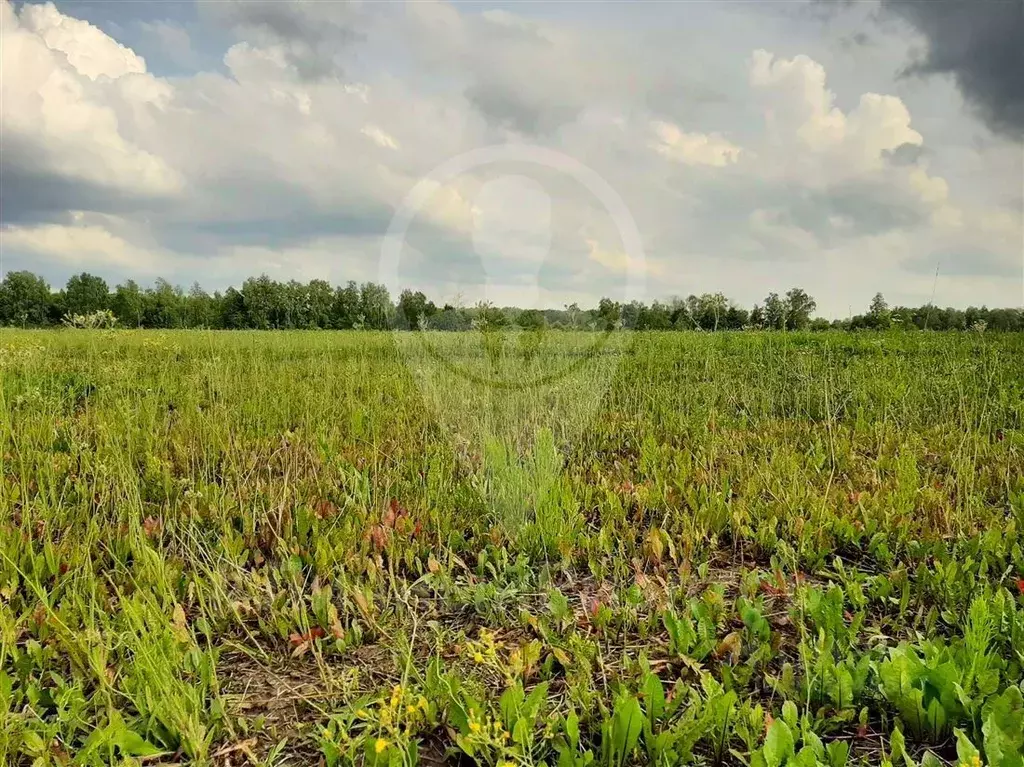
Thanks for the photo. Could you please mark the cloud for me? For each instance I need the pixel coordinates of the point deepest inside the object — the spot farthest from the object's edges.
(621, 263)
(800, 110)
(313, 38)
(87, 49)
(71, 113)
(379, 137)
(519, 74)
(80, 245)
(979, 44)
(693, 148)
(293, 156)
(173, 41)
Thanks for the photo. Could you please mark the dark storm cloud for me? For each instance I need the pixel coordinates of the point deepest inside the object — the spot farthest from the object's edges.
(966, 263)
(833, 215)
(505, 106)
(981, 44)
(31, 192)
(905, 154)
(315, 36)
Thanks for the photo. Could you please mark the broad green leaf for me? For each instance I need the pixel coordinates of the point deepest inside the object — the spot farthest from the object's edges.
(572, 730)
(965, 750)
(778, 745)
(626, 728)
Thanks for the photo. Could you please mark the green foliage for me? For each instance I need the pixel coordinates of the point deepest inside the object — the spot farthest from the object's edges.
(761, 548)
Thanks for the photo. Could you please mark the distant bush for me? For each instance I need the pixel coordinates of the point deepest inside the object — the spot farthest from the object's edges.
(104, 318)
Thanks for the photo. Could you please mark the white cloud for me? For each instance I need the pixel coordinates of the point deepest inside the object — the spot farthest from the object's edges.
(91, 52)
(286, 161)
(379, 137)
(693, 148)
(85, 245)
(61, 110)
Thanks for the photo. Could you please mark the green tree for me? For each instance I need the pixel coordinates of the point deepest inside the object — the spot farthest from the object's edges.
(878, 314)
(414, 308)
(86, 293)
(25, 300)
(345, 307)
(127, 304)
(736, 317)
(799, 308)
(572, 315)
(531, 319)
(263, 302)
(775, 311)
(609, 313)
(163, 306)
(375, 306)
(757, 317)
(319, 299)
(232, 310)
(200, 310)
(293, 305)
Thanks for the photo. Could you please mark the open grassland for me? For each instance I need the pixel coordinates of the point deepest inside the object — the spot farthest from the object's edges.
(271, 548)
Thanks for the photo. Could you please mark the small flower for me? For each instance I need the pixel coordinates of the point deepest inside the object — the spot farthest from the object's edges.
(380, 745)
(474, 726)
(478, 656)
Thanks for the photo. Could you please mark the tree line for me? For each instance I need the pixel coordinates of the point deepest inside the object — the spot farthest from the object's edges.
(26, 300)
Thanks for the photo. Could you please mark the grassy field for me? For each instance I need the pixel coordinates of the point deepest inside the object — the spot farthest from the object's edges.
(351, 547)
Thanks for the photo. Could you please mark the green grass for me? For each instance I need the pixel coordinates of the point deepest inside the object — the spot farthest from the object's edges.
(740, 548)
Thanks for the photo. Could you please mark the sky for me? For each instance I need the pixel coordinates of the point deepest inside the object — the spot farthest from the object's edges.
(524, 153)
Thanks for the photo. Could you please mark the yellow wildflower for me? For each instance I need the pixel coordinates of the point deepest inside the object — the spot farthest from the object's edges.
(380, 745)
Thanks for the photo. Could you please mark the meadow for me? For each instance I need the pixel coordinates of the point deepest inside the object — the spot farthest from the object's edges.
(741, 548)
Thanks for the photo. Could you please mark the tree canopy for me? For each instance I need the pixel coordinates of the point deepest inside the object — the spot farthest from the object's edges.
(26, 300)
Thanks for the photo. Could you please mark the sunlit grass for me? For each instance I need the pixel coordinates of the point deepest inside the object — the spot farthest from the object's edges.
(279, 547)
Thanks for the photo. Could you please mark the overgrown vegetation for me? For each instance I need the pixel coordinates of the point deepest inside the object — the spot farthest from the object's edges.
(754, 549)
(261, 303)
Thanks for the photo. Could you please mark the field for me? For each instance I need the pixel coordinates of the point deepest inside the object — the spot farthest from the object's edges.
(344, 548)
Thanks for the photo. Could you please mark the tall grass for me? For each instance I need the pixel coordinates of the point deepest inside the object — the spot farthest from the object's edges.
(239, 545)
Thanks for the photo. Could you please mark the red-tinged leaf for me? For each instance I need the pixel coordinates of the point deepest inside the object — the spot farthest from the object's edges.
(862, 731)
(379, 535)
(773, 591)
(1020, 585)
(314, 633)
(325, 510)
